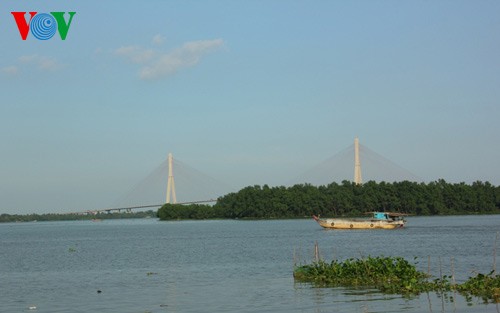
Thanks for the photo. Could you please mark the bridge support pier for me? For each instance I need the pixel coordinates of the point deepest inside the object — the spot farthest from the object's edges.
(357, 164)
(170, 183)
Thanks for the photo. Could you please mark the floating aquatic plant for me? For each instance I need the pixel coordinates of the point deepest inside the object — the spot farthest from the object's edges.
(393, 275)
(486, 287)
(390, 274)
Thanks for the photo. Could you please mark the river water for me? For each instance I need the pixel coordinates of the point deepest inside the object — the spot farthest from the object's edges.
(146, 266)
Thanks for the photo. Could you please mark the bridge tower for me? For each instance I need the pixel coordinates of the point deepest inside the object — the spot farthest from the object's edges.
(357, 164)
(171, 183)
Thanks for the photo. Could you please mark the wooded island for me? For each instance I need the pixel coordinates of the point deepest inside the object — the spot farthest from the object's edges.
(345, 199)
(304, 200)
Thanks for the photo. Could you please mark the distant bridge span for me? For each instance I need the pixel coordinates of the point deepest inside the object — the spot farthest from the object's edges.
(129, 209)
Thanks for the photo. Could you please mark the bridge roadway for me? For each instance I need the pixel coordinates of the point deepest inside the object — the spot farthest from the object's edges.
(129, 209)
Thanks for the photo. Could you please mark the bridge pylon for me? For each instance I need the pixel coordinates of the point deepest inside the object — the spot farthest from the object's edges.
(170, 182)
(357, 163)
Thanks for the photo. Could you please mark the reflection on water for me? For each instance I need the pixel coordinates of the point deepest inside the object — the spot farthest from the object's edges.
(371, 300)
(226, 266)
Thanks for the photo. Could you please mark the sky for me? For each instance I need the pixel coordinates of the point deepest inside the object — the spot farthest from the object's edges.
(247, 92)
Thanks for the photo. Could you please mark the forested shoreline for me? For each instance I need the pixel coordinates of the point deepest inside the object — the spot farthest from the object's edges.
(9, 218)
(304, 200)
(345, 199)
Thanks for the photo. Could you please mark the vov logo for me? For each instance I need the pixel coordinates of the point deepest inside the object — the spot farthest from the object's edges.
(43, 26)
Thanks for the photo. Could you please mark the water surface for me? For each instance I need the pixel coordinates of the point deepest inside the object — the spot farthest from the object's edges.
(225, 265)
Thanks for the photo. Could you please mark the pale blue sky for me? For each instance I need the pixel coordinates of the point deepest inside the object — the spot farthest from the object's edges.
(248, 92)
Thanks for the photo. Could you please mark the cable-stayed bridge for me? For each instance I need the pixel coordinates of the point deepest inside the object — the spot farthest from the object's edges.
(342, 166)
(174, 181)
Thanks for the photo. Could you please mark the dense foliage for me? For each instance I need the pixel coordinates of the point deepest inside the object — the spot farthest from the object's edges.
(6, 218)
(486, 287)
(390, 274)
(304, 200)
(191, 211)
(346, 199)
(393, 275)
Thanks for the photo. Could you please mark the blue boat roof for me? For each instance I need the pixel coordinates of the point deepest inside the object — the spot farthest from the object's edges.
(386, 215)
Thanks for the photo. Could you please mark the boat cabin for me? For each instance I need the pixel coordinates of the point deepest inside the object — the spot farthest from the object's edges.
(380, 216)
(388, 216)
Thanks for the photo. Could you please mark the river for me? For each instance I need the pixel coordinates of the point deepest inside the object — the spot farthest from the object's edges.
(148, 266)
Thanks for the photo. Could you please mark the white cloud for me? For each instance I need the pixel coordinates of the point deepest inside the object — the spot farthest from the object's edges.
(26, 63)
(11, 70)
(41, 62)
(156, 65)
(158, 39)
(136, 54)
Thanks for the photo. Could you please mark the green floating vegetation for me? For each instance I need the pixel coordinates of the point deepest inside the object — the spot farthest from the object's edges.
(393, 275)
(486, 287)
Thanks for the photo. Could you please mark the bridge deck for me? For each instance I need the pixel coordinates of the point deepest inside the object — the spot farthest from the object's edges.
(130, 208)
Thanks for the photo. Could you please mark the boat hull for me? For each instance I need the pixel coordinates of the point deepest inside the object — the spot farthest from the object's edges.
(340, 223)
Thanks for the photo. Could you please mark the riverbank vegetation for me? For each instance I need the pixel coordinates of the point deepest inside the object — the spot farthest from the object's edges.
(345, 199)
(304, 200)
(8, 218)
(394, 275)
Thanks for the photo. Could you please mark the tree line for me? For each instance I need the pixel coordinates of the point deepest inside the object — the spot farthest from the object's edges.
(8, 218)
(345, 199)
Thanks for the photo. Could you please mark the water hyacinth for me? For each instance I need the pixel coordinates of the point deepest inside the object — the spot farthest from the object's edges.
(390, 274)
(393, 275)
(486, 287)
